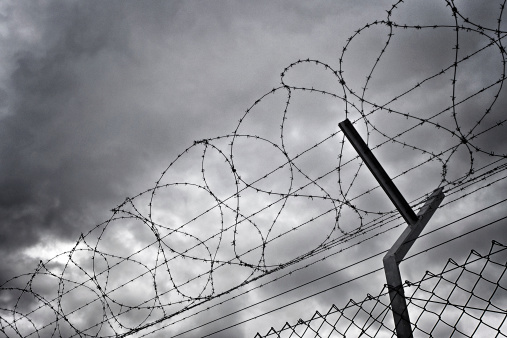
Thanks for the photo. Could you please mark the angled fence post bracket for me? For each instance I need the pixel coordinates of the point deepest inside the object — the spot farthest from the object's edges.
(396, 254)
(416, 224)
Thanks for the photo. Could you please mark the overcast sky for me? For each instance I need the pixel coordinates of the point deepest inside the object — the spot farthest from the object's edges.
(98, 99)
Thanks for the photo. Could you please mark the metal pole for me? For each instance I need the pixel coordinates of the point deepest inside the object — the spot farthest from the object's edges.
(396, 254)
(416, 224)
(376, 169)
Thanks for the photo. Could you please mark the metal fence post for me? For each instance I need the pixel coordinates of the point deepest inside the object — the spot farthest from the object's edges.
(396, 254)
(400, 248)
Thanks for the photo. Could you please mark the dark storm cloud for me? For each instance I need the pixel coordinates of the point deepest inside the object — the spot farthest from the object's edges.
(49, 173)
(81, 112)
(72, 137)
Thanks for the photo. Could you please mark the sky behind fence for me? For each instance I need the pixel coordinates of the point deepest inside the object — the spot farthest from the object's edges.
(274, 218)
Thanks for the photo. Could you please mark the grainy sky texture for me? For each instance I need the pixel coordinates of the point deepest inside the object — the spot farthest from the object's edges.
(236, 104)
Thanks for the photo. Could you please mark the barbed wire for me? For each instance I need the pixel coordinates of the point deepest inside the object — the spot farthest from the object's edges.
(464, 299)
(177, 240)
(473, 231)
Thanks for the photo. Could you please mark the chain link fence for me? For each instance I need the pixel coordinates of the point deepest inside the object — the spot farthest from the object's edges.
(463, 300)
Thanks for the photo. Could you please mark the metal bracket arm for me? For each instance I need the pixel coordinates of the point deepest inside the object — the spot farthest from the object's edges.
(376, 169)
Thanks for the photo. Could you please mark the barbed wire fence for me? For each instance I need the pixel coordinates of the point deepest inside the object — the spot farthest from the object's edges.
(463, 299)
(199, 240)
